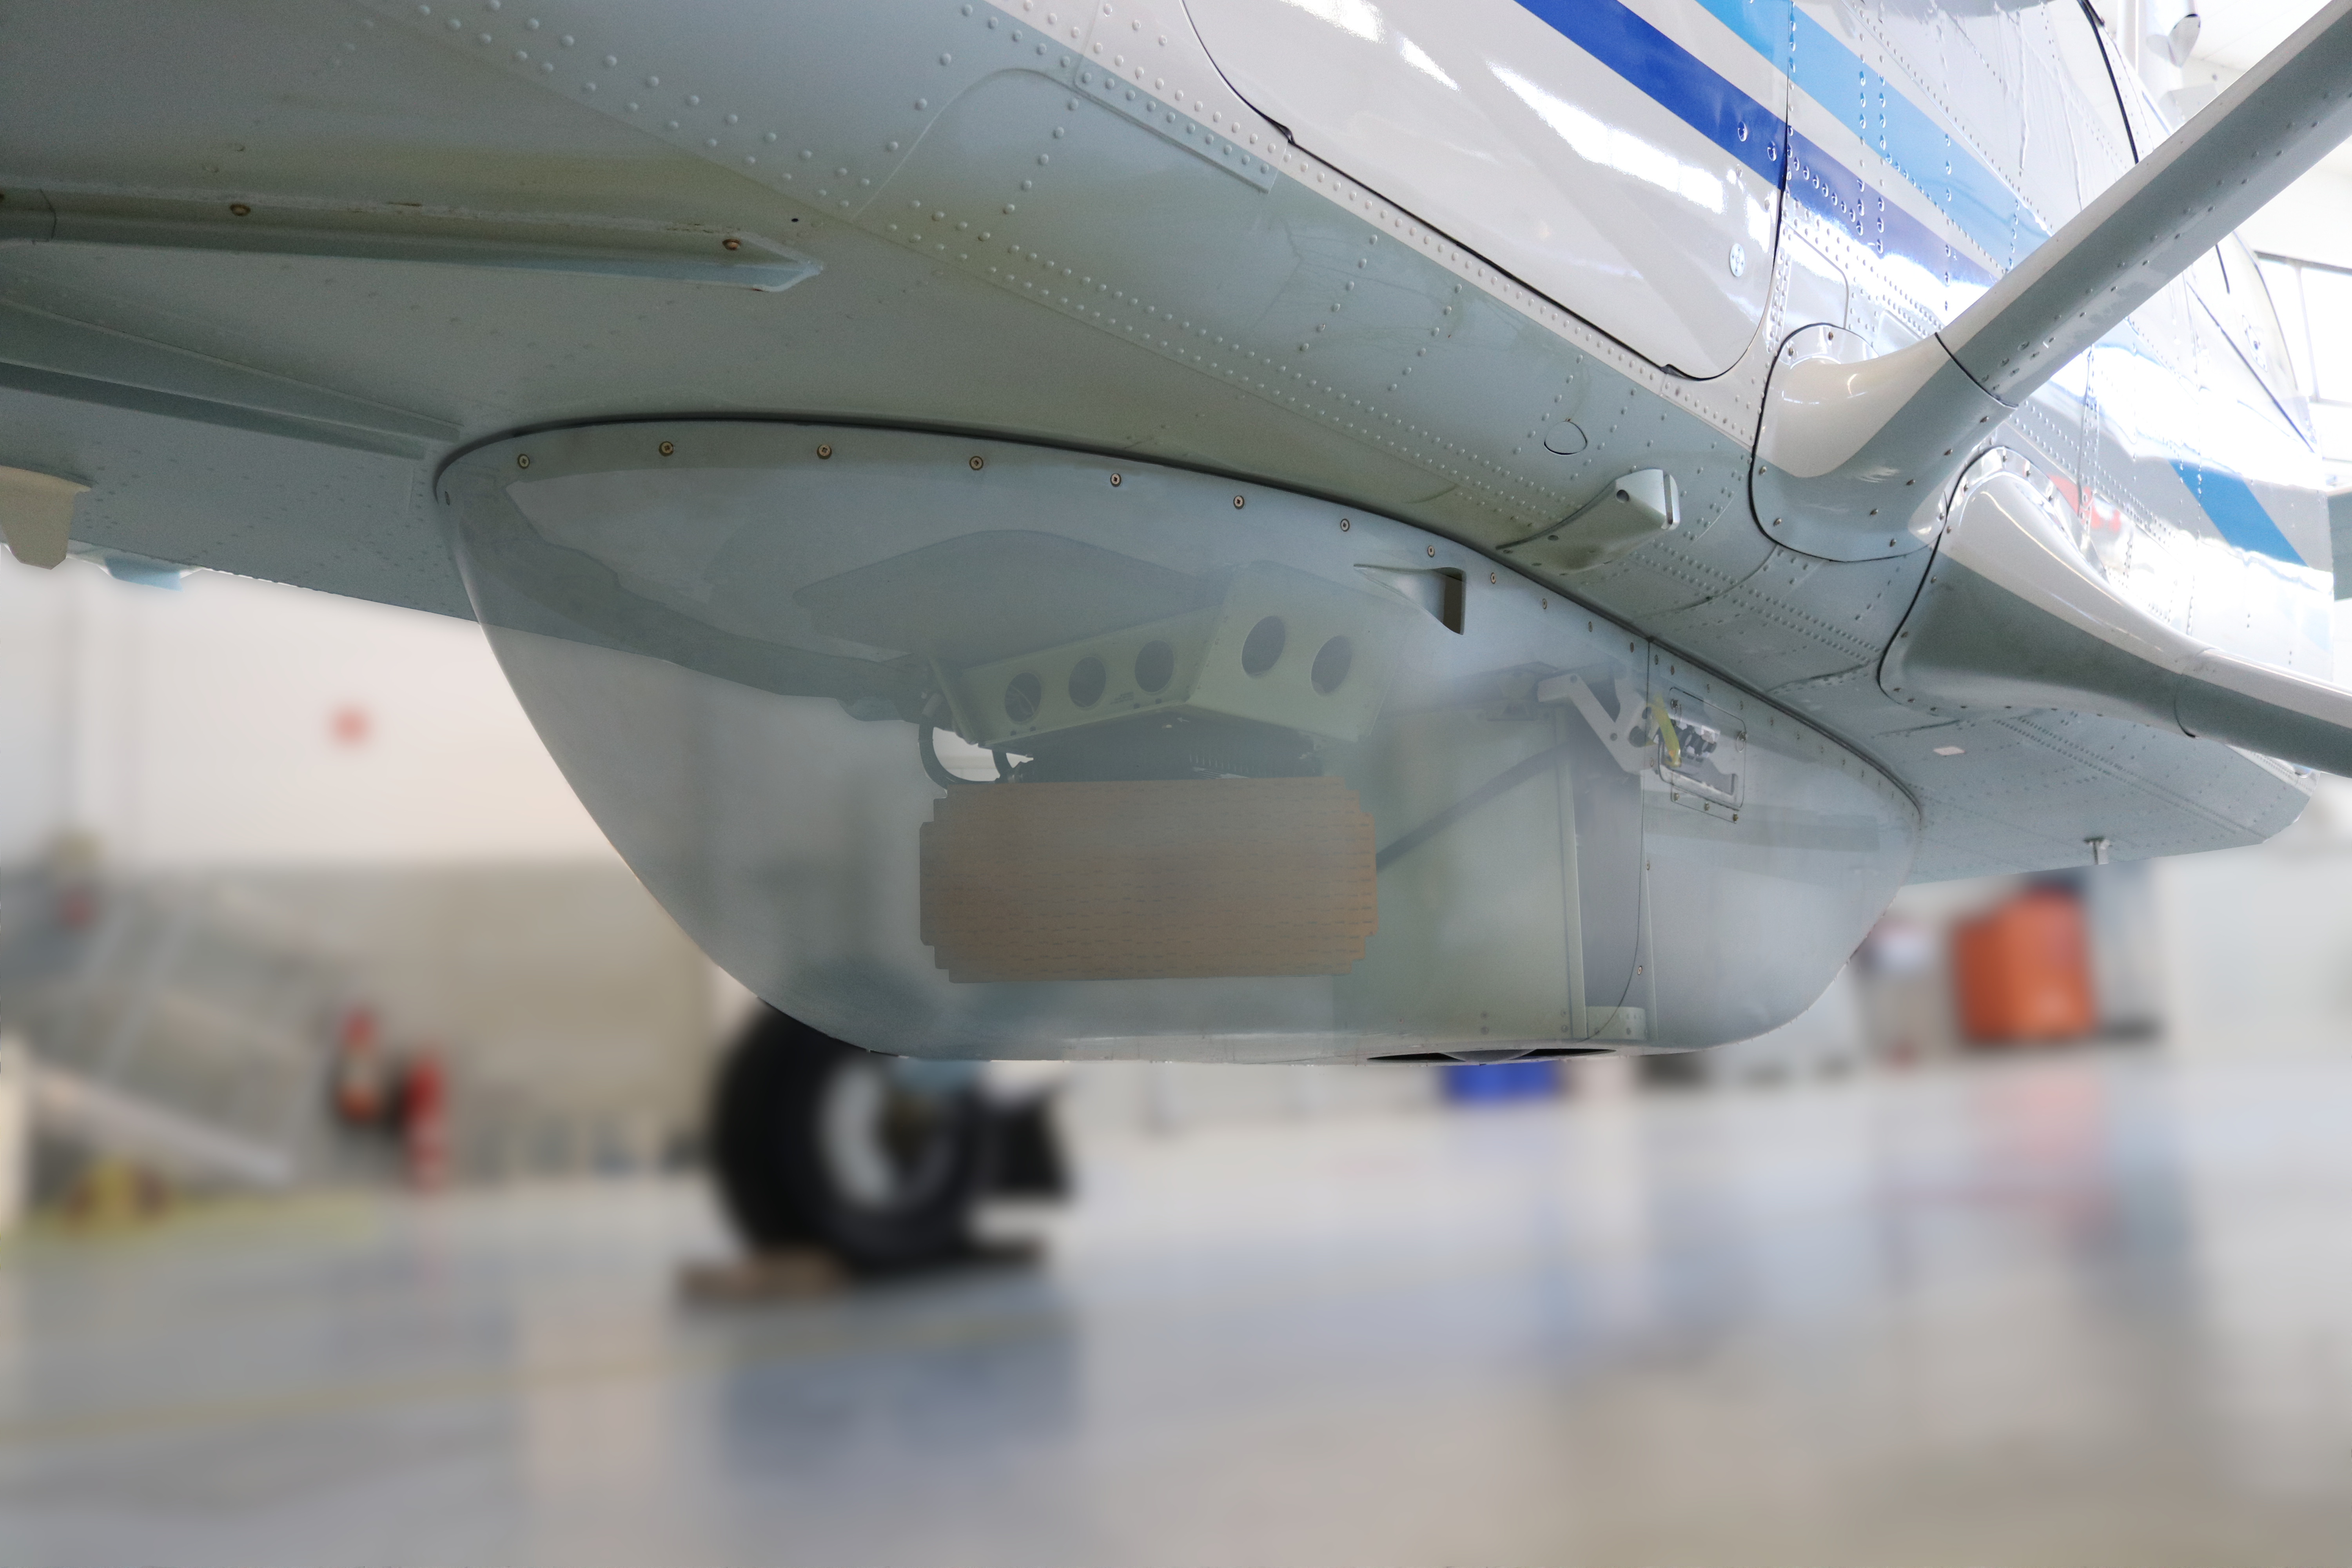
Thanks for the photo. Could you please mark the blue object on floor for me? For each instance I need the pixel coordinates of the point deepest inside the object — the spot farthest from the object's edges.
(1485, 1083)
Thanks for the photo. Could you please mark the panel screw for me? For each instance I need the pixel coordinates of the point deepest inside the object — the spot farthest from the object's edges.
(1115, 481)
(240, 209)
(1433, 550)
(1343, 525)
(1491, 578)
(977, 462)
(825, 450)
(668, 447)
(522, 459)
(731, 244)
(1239, 502)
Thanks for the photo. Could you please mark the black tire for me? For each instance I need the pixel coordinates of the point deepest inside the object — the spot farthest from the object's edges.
(817, 1143)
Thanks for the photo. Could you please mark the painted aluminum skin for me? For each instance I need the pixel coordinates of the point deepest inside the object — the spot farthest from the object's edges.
(290, 287)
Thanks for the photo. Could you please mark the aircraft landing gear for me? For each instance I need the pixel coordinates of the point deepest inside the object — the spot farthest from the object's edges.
(881, 1161)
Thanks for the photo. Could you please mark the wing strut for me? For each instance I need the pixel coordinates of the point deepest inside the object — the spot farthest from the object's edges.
(1854, 459)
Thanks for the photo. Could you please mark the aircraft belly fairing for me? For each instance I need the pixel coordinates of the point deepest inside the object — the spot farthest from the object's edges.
(1275, 778)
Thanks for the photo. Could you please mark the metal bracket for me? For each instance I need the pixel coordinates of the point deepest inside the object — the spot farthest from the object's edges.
(1617, 734)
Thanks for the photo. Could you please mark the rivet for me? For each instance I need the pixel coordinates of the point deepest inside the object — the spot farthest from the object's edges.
(825, 450)
(1239, 502)
(977, 462)
(667, 448)
(522, 459)
(1433, 550)
(731, 244)
(240, 209)
(1116, 481)
(1343, 525)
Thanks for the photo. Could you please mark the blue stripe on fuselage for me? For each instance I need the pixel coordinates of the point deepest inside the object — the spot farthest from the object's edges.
(1679, 81)
(1889, 123)
(1978, 203)
(1821, 182)
(2236, 510)
(1703, 99)
(1975, 198)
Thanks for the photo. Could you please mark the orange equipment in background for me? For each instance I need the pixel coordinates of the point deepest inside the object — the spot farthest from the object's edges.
(2023, 973)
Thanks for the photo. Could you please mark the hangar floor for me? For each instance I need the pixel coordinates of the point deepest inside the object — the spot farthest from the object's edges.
(2084, 1309)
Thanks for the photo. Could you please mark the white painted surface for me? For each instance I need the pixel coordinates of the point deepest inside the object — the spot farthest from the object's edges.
(1824, 1040)
(1486, 122)
(250, 723)
(2259, 941)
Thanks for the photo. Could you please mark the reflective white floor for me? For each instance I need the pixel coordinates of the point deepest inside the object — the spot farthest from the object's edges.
(2079, 1310)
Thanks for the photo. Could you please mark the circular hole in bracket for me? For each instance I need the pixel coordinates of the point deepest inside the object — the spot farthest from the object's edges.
(1087, 679)
(1155, 665)
(1332, 662)
(1022, 694)
(1262, 648)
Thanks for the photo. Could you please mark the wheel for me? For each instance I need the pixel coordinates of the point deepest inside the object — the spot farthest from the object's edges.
(817, 1143)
